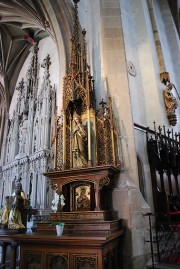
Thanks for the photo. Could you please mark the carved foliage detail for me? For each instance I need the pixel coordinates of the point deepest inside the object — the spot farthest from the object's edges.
(104, 142)
(104, 181)
(59, 145)
(86, 261)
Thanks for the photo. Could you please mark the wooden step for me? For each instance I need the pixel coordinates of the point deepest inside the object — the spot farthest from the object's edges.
(83, 227)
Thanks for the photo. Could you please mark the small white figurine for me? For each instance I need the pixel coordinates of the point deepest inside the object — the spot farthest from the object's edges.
(55, 202)
(62, 200)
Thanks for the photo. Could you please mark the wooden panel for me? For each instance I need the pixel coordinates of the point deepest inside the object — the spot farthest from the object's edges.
(31, 260)
(57, 260)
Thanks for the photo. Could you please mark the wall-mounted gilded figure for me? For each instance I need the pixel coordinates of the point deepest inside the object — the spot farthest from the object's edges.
(171, 104)
(79, 143)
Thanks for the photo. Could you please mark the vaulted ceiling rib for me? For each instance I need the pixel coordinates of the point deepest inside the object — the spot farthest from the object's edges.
(22, 22)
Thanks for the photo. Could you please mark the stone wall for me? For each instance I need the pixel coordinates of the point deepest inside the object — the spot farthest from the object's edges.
(26, 151)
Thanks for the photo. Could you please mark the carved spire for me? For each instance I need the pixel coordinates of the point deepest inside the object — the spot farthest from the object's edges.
(32, 72)
(45, 64)
(78, 83)
(20, 87)
(75, 36)
(75, 46)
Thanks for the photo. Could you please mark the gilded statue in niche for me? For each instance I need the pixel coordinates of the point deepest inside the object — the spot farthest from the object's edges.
(79, 143)
(95, 143)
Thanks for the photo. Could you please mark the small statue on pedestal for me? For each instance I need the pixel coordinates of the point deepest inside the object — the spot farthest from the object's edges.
(79, 141)
(15, 216)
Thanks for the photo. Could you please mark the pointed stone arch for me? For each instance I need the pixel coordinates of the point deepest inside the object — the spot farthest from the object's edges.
(60, 14)
(3, 111)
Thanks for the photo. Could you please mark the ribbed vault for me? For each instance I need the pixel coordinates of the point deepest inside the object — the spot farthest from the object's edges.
(23, 23)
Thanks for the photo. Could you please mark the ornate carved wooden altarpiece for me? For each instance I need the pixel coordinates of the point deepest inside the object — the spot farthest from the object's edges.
(85, 161)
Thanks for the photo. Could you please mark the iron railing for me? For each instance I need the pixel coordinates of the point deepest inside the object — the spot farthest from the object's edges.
(164, 239)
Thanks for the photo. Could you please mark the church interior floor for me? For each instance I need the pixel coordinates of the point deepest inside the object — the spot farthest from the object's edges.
(163, 266)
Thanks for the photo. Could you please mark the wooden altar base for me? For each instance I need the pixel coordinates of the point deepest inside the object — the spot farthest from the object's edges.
(83, 215)
(84, 227)
(67, 251)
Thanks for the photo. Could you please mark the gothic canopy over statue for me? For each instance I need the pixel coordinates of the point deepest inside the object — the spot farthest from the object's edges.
(85, 136)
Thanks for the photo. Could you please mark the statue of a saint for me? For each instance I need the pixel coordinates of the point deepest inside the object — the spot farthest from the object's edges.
(169, 100)
(18, 186)
(79, 140)
(15, 216)
(83, 202)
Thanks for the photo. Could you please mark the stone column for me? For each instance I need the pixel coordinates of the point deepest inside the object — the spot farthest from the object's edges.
(127, 199)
